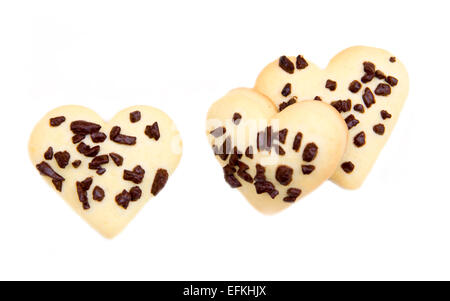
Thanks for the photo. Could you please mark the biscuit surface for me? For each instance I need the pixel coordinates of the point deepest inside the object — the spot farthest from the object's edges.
(274, 158)
(368, 86)
(106, 171)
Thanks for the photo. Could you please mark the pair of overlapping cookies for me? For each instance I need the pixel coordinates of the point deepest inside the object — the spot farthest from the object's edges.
(277, 142)
(301, 125)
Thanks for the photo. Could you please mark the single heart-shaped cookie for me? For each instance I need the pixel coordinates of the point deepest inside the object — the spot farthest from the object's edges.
(106, 171)
(274, 158)
(368, 86)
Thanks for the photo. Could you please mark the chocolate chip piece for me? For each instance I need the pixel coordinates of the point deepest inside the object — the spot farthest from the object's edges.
(264, 139)
(56, 121)
(87, 150)
(310, 152)
(98, 137)
(98, 194)
(228, 173)
(307, 169)
(77, 138)
(123, 199)
(369, 67)
(135, 116)
(347, 166)
(46, 170)
(301, 63)
(318, 98)
(351, 121)
(245, 176)
(392, 81)
(237, 118)
(342, 105)
(286, 90)
(292, 195)
(279, 150)
(354, 86)
(82, 188)
(159, 181)
(379, 129)
(359, 108)
(62, 158)
(218, 131)
(115, 136)
(331, 85)
(360, 139)
(136, 175)
(368, 97)
(84, 127)
(261, 184)
(100, 171)
(385, 114)
(284, 174)
(392, 59)
(249, 152)
(135, 193)
(297, 141)
(379, 74)
(285, 104)
(98, 161)
(286, 64)
(76, 163)
(117, 159)
(367, 78)
(152, 131)
(225, 149)
(48, 155)
(282, 135)
(86, 184)
(383, 90)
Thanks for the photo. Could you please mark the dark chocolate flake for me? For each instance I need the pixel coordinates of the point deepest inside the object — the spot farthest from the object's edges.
(135, 116)
(317, 98)
(98, 194)
(359, 108)
(135, 193)
(56, 121)
(121, 139)
(331, 85)
(152, 131)
(282, 135)
(392, 81)
(286, 90)
(46, 170)
(297, 141)
(123, 199)
(351, 121)
(117, 159)
(48, 155)
(385, 114)
(369, 67)
(360, 139)
(77, 138)
(292, 195)
(301, 63)
(87, 150)
(249, 152)
(62, 158)
(392, 59)
(283, 174)
(98, 161)
(310, 152)
(237, 118)
(379, 129)
(342, 105)
(368, 98)
(136, 175)
(383, 90)
(84, 127)
(82, 188)
(76, 163)
(98, 137)
(307, 169)
(286, 104)
(286, 64)
(159, 181)
(354, 86)
(367, 78)
(379, 74)
(347, 166)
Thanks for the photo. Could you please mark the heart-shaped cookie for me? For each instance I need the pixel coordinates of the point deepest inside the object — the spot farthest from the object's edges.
(106, 171)
(368, 86)
(274, 158)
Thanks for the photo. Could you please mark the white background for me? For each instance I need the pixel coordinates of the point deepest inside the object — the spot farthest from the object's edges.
(180, 56)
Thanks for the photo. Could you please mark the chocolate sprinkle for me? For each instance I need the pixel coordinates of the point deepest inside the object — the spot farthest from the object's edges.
(123, 199)
(56, 121)
(62, 158)
(285, 104)
(286, 90)
(284, 174)
(383, 90)
(360, 139)
(385, 114)
(347, 166)
(136, 193)
(392, 81)
(98, 137)
(228, 173)
(301, 63)
(359, 108)
(297, 141)
(331, 85)
(117, 159)
(237, 118)
(135, 116)
(57, 184)
(292, 195)
(379, 74)
(115, 136)
(379, 129)
(367, 78)
(77, 138)
(351, 121)
(152, 131)
(48, 155)
(98, 194)
(310, 152)
(262, 185)
(87, 150)
(342, 105)
(249, 152)
(76, 163)
(368, 97)
(307, 169)
(369, 67)
(100, 171)
(159, 181)
(286, 64)
(136, 175)
(354, 86)
(84, 128)
(46, 170)
(98, 161)
(82, 188)
(282, 135)
(225, 149)
(218, 131)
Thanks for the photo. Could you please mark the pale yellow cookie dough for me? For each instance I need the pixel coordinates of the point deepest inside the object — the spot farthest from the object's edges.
(152, 154)
(309, 82)
(318, 123)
